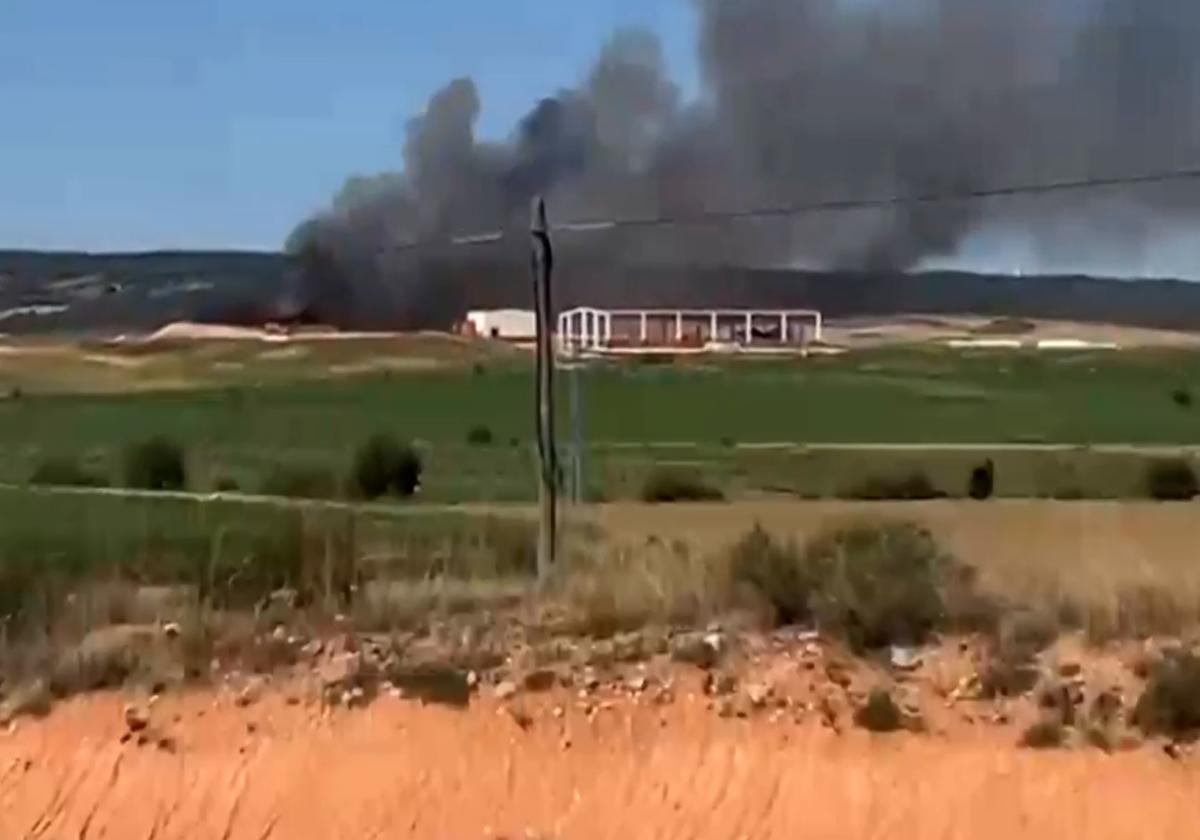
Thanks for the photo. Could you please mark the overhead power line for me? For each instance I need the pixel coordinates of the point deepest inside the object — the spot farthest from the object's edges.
(816, 207)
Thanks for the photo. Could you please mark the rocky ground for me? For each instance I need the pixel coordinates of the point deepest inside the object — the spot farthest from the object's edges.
(459, 732)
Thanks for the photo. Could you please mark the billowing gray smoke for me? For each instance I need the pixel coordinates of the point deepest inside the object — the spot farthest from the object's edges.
(807, 101)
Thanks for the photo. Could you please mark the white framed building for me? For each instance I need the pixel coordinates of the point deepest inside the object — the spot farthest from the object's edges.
(587, 329)
(517, 325)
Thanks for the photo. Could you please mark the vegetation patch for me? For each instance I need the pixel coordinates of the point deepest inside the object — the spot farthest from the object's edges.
(65, 471)
(912, 487)
(1170, 704)
(300, 482)
(385, 466)
(156, 464)
(871, 585)
(1171, 480)
(880, 713)
(1044, 735)
(666, 486)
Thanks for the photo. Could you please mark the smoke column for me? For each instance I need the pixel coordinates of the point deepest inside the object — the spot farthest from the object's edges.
(812, 100)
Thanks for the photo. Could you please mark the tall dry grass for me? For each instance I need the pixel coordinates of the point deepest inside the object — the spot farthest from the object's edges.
(1112, 568)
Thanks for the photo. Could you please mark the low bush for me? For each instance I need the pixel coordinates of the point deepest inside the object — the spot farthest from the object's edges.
(1044, 735)
(914, 486)
(668, 486)
(881, 585)
(480, 436)
(385, 466)
(1012, 667)
(871, 585)
(1170, 705)
(1171, 480)
(156, 464)
(64, 471)
(776, 573)
(226, 484)
(300, 482)
(983, 481)
(1182, 397)
(880, 713)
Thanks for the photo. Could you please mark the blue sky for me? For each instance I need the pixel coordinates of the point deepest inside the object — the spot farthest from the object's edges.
(135, 124)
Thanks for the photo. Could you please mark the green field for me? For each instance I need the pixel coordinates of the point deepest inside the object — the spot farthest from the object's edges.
(749, 426)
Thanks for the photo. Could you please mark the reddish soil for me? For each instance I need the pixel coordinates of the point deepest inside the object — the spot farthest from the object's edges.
(399, 769)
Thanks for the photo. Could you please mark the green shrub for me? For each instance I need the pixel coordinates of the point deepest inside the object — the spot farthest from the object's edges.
(983, 481)
(881, 585)
(300, 482)
(1012, 666)
(226, 484)
(480, 436)
(156, 464)
(1182, 397)
(1171, 480)
(64, 471)
(776, 573)
(666, 486)
(912, 487)
(383, 465)
(880, 713)
(1170, 704)
(871, 585)
(1044, 735)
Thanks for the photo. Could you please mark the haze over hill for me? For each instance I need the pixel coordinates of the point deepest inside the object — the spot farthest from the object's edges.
(83, 293)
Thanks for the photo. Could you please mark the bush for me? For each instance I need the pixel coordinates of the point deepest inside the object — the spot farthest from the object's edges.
(913, 487)
(881, 585)
(1182, 397)
(383, 465)
(880, 714)
(300, 482)
(64, 471)
(1044, 735)
(480, 436)
(1171, 480)
(983, 481)
(666, 486)
(156, 464)
(776, 573)
(1170, 704)
(872, 585)
(226, 484)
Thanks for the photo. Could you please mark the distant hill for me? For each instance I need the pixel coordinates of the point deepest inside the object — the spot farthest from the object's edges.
(112, 293)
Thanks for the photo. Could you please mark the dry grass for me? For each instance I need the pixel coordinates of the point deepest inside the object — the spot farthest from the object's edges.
(657, 583)
(1114, 568)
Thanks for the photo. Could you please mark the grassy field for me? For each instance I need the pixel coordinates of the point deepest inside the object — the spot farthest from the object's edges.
(750, 427)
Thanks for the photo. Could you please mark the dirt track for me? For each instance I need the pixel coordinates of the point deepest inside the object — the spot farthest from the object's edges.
(400, 770)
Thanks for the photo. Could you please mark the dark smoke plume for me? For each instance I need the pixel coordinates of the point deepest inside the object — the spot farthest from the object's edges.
(806, 101)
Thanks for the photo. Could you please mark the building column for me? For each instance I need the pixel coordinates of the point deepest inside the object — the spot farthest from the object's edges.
(749, 328)
(645, 330)
(678, 327)
(712, 329)
(785, 337)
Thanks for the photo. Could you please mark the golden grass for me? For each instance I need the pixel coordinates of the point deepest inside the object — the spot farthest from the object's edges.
(1116, 566)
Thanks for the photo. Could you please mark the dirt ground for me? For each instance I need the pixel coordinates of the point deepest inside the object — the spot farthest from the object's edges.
(398, 769)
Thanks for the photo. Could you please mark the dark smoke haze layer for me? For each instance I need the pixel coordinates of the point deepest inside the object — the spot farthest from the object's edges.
(812, 100)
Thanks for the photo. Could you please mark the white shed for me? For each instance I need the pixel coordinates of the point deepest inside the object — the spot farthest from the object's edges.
(503, 324)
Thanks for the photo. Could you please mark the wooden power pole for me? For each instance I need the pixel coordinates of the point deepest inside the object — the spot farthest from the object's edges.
(543, 267)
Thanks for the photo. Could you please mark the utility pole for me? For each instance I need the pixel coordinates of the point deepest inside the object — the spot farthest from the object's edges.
(543, 267)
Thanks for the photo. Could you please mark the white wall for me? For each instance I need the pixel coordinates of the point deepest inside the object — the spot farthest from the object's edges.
(512, 324)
